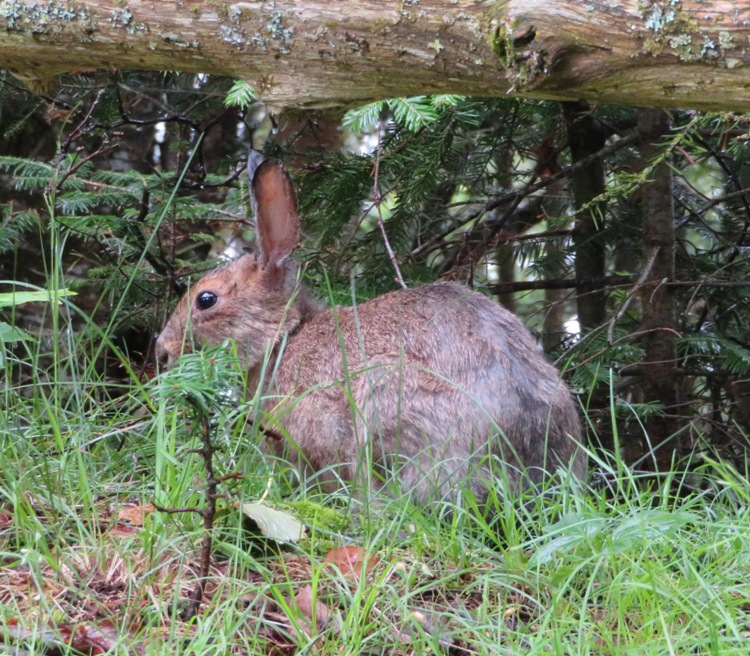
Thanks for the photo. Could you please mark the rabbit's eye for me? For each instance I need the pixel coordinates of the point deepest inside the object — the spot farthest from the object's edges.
(206, 300)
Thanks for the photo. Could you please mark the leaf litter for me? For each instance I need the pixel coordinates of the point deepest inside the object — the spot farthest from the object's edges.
(93, 599)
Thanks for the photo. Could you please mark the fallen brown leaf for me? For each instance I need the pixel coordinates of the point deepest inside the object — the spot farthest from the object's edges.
(351, 560)
(92, 640)
(305, 599)
(134, 514)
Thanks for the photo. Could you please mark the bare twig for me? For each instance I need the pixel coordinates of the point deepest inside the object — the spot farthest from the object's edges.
(611, 282)
(208, 514)
(516, 196)
(626, 303)
(75, 167)
(378, 205)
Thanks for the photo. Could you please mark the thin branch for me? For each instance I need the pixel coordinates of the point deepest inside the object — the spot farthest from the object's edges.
(527, 190)
(378, 205)
(611, 282)
(631, 294)
(559, 283)
(208, 514)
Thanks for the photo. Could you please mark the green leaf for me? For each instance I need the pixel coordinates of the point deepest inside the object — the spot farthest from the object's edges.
(445, 99)
(11, 334)
(17, 298)
(648, 526)
(274, 524)
(571, 531)
(412, 113)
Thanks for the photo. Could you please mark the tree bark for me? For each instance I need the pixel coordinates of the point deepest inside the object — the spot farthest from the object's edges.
(553, 327)
(585, 137)
(658, 317)
(308, 53)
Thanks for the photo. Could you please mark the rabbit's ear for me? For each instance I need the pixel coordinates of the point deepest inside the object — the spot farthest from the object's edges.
(275, 210)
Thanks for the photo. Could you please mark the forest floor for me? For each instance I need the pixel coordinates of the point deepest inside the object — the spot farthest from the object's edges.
(103, 540)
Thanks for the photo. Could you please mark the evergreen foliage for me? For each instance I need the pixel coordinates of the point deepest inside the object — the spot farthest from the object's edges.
(142, 175)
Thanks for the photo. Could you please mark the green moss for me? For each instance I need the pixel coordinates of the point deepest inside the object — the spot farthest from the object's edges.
(658, 15)
(681, 43)
(502, 46)
(653, 47)
(121, 17)
(382, 26)
(278, 30)
(519, 54)
(314, 514)
(436, 46)
(670, 25)
(235, 13)
(324, 525)
(709, 49)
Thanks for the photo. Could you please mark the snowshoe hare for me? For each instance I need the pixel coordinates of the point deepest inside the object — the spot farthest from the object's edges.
(431, 390)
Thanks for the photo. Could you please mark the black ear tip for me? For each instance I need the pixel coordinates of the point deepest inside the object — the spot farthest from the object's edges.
(254, 160)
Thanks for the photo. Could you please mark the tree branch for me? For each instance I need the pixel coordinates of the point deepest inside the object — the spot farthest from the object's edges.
(308, 53)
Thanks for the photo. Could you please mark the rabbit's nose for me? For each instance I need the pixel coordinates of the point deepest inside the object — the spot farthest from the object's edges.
(163, 358)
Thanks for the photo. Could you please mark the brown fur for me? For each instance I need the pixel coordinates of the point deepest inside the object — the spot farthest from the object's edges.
(435, 387)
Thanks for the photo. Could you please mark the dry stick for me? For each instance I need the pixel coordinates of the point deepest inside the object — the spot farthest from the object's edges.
(208, 513)
(378, 202)
(78, 131)
(75, 167)
(631, 294)
(528, 189)
(625, 338)
(610, 282)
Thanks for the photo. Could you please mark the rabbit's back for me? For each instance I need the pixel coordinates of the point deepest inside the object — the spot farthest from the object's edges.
(424, 384)
(429, 388)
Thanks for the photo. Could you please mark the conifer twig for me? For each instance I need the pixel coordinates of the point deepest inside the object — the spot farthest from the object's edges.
(208, 514)
(378, 202)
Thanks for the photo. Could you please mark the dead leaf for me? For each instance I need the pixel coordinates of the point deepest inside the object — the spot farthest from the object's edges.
(92, 640)
(304, 600)
(134, 514)
(56, 114)
(350, 561)
(124, 531)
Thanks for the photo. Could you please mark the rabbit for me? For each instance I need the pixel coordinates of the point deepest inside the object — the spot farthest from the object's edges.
(425, 391)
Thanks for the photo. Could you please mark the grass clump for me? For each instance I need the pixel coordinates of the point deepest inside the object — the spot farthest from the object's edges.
(103, 493)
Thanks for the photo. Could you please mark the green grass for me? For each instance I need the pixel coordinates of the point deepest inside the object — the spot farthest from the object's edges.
(623, 567)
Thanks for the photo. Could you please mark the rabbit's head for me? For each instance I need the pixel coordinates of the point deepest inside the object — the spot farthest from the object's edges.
(255, 299)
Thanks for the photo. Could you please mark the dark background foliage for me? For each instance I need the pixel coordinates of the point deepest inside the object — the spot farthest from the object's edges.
(619, 235)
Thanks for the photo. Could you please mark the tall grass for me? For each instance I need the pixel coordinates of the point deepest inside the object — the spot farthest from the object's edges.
(623, 566)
